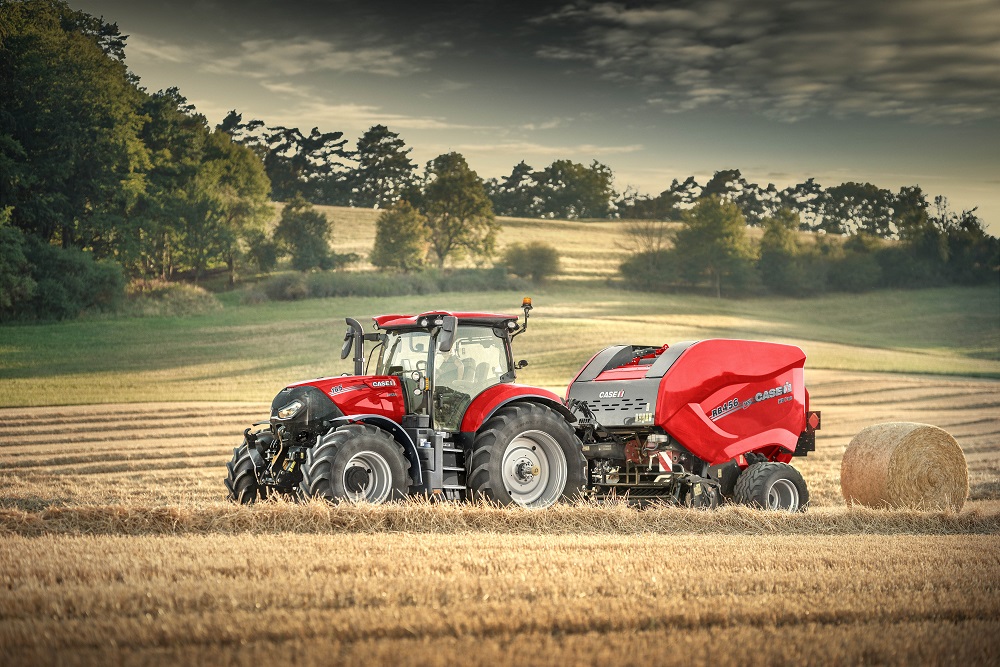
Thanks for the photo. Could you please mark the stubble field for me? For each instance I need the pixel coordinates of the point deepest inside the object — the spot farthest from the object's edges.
(116, 547)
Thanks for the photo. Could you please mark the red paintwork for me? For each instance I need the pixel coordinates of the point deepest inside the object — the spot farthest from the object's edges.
(407, 321)
(485, 403)
(358, 395)
(710, 373)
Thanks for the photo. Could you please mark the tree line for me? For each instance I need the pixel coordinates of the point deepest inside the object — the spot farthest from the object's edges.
(102, 181)
(712, 250)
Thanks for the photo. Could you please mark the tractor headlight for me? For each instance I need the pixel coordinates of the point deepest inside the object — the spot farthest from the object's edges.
(290, 410)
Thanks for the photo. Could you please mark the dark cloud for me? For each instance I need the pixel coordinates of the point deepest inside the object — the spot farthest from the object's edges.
(921, 59)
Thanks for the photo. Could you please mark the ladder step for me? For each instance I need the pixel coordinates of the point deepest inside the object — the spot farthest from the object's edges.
(453, 468)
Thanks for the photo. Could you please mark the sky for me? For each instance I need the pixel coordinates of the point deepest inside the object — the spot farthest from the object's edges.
(893, 92)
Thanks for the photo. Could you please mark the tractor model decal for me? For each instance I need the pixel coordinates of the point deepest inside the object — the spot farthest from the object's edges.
(340, 389)
(735, 404)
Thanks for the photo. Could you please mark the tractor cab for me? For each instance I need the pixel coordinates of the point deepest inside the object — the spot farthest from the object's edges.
(442, 360)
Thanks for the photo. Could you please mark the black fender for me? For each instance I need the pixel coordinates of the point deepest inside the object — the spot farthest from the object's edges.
(398, 434)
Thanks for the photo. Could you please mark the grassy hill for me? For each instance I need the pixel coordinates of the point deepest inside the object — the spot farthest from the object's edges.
(248, 352)
(588, 250)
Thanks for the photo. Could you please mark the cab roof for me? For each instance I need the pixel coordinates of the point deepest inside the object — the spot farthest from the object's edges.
(413, 321)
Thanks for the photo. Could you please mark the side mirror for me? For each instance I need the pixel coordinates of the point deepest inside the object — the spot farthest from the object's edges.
(447, 336)
(348, 344)
(521, 364)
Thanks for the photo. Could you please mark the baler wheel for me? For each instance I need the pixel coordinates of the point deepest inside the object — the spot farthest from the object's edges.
(241, 480)
(357, 463)
(772, 486)
(527, 454)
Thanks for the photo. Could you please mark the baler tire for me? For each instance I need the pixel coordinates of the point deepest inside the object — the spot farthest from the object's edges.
(772, 486)
(513, 429)
(329, 462)
(241, 478)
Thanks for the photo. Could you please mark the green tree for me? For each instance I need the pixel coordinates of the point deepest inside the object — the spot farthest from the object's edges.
(312, 165)
(384, 168)
(570, 190)
(857, 269)
(515, 195)
(850, 208)
(536, 260)
(786, 265)
(176, 137)
(241, 202)
(634, 206)
(305, 234)
(459, 214)
(400, 238)
(252, 134)
(713, 243)
(72, 159)
(16, 283)
(973, 256)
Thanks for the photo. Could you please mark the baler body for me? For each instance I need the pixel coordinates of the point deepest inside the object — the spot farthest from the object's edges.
(718, 398)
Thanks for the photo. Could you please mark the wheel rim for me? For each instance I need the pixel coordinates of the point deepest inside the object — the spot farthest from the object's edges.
(367, 477)
(534, 469)
(783, 495)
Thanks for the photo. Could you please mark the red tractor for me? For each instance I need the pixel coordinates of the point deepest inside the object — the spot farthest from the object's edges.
(440, 415)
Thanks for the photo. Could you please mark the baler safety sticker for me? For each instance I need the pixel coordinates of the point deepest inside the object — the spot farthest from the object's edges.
(734, 404)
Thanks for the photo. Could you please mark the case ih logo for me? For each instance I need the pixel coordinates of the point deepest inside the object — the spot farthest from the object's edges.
(383, 383)
(612, 394)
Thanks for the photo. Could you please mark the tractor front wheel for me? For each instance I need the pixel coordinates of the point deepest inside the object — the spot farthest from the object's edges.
(772, 486)
(526, 454)
(241, 479)
(357, 463)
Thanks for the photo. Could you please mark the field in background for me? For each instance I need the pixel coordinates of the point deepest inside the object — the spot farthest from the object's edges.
(116, 546)
(588, 250)
(249, 352)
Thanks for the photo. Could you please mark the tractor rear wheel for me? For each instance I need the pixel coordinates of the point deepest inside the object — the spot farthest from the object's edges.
(241, 479)
(772, 486)
(356, 463)
(526, 454)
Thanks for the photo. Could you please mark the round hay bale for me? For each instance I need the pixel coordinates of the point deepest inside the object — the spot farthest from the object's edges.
(905, 465)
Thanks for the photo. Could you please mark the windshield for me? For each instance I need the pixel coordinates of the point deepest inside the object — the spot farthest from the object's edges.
(404, 352)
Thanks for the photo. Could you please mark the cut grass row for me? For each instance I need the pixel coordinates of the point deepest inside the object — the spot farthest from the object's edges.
(248, 352)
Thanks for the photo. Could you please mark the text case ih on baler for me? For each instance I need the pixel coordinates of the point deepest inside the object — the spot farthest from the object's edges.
(693, 423)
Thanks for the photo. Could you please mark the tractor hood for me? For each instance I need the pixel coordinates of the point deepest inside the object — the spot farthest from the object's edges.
(358, 394)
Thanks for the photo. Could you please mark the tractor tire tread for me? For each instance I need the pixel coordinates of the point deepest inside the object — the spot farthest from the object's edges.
(317, 469)
(241, 480)
(479, 480)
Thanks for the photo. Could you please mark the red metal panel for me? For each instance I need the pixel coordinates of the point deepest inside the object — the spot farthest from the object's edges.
(485, 403)
(404, 321)
(367, 394)
(727, 397)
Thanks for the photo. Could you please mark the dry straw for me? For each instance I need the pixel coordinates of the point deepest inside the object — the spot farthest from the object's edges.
(419, 516)
(905, 465)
